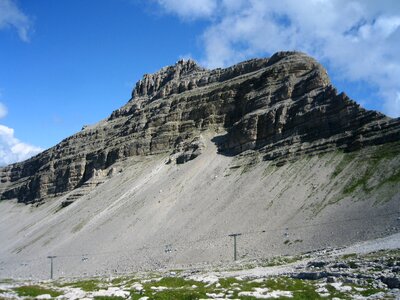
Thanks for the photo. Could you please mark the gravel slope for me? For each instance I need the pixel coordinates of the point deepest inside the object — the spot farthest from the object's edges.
(150, 215)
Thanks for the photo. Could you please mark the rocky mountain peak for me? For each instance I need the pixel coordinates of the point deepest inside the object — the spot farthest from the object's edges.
(170, 79)
(283, 107)
(186, 66)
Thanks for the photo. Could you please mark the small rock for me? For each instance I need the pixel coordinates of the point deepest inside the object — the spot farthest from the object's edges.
(391, 282)
(44, 296)
(317, 264)
(351, 280)
(341, 266)
(379, 285)
(331, 279)
(311, 275)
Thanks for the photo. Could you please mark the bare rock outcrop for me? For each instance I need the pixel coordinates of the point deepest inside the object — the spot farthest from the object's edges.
(283, 106)
(187, 150)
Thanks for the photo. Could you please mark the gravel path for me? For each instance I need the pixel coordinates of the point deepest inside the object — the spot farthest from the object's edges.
(386, 243)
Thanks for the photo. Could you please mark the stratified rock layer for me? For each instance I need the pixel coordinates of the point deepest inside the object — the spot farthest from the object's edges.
(283, 106)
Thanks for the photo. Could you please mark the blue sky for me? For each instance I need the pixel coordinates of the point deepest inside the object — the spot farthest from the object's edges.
(64, 64)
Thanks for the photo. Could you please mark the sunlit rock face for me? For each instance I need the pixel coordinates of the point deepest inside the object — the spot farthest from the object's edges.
(283, 106)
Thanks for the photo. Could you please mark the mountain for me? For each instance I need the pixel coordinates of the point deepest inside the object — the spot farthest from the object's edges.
(266, 147)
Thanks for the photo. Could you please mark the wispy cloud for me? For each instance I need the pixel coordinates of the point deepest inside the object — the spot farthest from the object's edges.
(191, 9)
(358, 40)
(12, 17)
(3, 110)
(13, 150)
(394, 106)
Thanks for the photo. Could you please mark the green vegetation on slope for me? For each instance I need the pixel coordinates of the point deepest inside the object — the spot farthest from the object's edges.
(371, 162)
(35, 290)
(86, 285)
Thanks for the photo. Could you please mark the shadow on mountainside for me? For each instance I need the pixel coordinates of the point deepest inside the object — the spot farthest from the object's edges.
(220, 141)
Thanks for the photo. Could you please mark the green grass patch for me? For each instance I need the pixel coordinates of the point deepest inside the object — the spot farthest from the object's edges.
(176, 294)
(350, 255)
(175, 282)
(387, 151)
(178, 288)
(286, 284)
(305, 295)
(244, 285)
(370, 291)
(360, 182)
(226, 283)
(395, 178)
(118, 281)
(346, 160)
(86, 285)
(301, 289)
(35, 290)
(248, 286)
(335, 293)
(372, 160)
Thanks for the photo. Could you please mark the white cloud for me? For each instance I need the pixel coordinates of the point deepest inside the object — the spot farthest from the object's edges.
(3, 110)
(190, 9)
(13, 150)
(358, 40)
(12, 16)
(393, 106)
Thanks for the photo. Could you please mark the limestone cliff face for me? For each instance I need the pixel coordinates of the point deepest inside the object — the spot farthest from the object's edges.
(283, 106)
